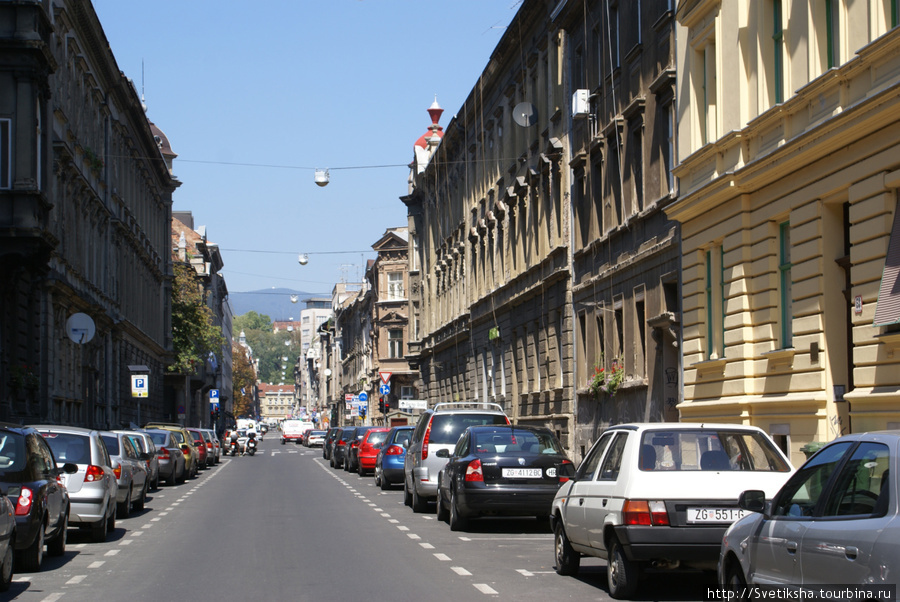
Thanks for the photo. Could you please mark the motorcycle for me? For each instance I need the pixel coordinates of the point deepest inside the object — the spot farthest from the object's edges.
(235, 448)
(251, 446)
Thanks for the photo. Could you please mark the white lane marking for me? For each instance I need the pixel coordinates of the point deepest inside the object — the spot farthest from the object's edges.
(137, 533)
(126, 542)
(147, 526)
(427, 546)
(384, 514)
(76, 579)
(393, 521)
(53, 597)
(112, 552)
(460, 571)
(403, 527)
(443, 557)
(525, 573)
(78, 546)
(375, 507)
(484, 588)
(155, 519)
(163, 513)
(413, 536)
(97, 564)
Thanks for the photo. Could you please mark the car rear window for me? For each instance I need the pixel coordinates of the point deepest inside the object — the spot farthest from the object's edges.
(446, 428)
(196, 436)
(67, 447)
(347, 435)
(112, 444)
(402, 437)
(13, 458)
(158, 438)
(710, 450)
(512, 441)
(377, 437)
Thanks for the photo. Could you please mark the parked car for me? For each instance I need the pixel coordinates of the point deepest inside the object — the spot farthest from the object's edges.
(660, 494)
(501, 470)
(439, 428)
(342, 439)
(351, 452)
(834, 522)
(210, 446)
(7, 542)
(216, 445)
(185, 441)
(143, 443)
(369, 445)
(170, 456)
(29, 478)
(390, 458)
(315, 439)
(328, 444)
(199, 444)
(130, 468)
(93, 489)
(292, 430)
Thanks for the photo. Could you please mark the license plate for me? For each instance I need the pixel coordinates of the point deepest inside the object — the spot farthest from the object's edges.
(522, 473)
(714, 515)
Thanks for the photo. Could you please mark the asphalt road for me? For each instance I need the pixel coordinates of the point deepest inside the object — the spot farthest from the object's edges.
(284, 525)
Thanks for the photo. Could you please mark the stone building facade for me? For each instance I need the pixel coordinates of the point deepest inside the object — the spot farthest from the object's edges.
(86, 187)
(788, 131)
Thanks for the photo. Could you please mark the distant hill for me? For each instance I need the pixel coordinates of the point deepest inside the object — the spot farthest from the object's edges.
(274, 302)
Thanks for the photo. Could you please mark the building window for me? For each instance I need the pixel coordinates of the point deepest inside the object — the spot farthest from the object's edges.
(895, 13)
(406, 392)
(395, 343)
(778, 57)
(395, 286)
(715, 304)
(637, 168)
(640, 333)
(619, 343)
(5, 153)
(668, 148)
(832, 33)
(784, 267)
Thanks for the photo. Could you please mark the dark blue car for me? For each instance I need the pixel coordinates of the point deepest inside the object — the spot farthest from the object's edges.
(390, 459)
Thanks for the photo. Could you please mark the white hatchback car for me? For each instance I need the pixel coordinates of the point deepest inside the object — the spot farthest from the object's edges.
(660, 495)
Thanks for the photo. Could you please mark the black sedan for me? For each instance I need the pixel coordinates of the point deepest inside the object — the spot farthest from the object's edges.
(501, 470)
(28, 477)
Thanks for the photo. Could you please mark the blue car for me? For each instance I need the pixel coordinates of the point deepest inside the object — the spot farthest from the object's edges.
(391, 456)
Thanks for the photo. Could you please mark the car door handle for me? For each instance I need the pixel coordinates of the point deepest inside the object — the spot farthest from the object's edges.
(604, 502)
(581, 501)
(851, 552)
(791, 547)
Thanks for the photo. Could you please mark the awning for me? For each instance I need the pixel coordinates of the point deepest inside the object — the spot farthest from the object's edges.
(888, 309)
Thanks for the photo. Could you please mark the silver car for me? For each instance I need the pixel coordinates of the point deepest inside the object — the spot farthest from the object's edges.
(171, 457)
(144, 443)
(130, 468)
(833, 522)
(439, 428)
(93, 489)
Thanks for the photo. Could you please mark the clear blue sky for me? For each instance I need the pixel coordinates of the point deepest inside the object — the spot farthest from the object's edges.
(299, 84)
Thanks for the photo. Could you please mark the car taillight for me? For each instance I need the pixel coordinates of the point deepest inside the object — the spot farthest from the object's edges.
(394, 450)
(118, 471)
(473, 471)
(23, 507)
(164, 454)
(563, 479)
(341, 442)
(637, 512)
(94, 473)
(187, 452)
(425, 441)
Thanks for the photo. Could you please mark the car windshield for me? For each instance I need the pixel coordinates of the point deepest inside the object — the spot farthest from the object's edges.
(446, 428)
(67, 447)
(112, 444)
(710, 450)
(13, 459)
(158, 438)
(317, 434)
(511, 441)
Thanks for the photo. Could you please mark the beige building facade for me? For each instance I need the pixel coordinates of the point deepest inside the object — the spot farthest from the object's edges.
(788, 129)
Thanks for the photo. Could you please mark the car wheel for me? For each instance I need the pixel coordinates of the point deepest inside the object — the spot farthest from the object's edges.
(442, 513)
(331, 462)
(32, 556)
(360, 470)
(734, 580)
(6, 568)
(407, 496)
(568, 561)
(125, 507)
(384, 484)
(621, 574)
(139, 503)
(99, 530)
(457, 522)
(57, 545)
(111, 522)
(171, 480)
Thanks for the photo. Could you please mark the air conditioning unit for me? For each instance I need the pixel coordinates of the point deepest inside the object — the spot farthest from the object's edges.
(581, 103)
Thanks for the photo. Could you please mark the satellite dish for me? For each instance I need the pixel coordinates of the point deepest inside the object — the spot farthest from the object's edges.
(80, 328)
(525, 114)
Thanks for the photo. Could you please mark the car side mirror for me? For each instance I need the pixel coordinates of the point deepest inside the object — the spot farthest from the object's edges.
(442, 453)
(70, 468)
(185, 447)
(753, 500)
(145, 456)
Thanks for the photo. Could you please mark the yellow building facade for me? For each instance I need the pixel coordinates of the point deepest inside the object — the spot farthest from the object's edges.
(789, 146)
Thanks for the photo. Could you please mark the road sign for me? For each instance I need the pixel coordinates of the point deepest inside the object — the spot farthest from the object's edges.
(214, 396)
(385, 389)
(385, 377)
(413, 404)
(363, 396)
(214, 407)
(140, 385)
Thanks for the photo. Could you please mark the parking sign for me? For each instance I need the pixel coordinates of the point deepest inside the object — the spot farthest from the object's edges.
(140, 385)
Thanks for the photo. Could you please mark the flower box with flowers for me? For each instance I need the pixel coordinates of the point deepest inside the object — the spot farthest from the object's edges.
(606, 382)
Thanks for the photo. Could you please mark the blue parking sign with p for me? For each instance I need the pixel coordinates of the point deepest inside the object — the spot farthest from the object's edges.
(214, 396)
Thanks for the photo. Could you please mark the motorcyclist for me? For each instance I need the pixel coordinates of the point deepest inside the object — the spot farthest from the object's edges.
(251, 436)
(234, 437)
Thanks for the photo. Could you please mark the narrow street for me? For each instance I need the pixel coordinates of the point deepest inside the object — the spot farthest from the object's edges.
(284, 525)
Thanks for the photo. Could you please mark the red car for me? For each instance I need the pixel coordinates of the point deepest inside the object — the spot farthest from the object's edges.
(368, 449)
(200, 444)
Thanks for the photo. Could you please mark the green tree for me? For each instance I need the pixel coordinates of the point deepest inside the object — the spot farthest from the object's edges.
(243, 377)
(252, 321)
(269, 348)
(194, 334)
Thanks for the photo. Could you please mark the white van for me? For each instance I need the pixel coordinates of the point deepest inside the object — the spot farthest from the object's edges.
(292, 430)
